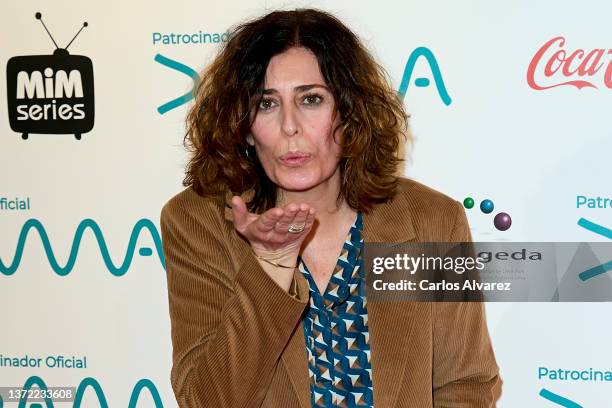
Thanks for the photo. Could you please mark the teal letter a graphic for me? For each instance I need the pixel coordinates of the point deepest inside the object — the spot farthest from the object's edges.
(423, 82)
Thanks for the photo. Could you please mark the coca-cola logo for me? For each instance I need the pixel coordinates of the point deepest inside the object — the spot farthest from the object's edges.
(578, 68)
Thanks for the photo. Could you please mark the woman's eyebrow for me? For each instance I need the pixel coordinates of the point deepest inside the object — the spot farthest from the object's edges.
(300, 88)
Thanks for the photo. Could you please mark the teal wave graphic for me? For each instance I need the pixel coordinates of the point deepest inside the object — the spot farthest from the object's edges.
(600, 230)
(80, 391)
(423, 82)
(88, 223)
(596, 228)
(596, 270)
(557, 399)
(182, 68)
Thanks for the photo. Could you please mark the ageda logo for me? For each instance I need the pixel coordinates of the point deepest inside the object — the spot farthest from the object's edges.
(577, 68)
(51, 94)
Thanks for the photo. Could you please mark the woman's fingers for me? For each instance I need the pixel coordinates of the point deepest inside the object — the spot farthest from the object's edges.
(308, 219)
(272, 227)
(300, 216)
(268, 220)
(290, 212)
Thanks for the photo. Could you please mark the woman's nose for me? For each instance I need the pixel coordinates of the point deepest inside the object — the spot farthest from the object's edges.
(289, 121)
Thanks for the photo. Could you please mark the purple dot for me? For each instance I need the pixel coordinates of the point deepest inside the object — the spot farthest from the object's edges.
(502, 221)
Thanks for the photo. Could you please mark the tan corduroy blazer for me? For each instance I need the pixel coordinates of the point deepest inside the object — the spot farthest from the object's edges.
(238, 339)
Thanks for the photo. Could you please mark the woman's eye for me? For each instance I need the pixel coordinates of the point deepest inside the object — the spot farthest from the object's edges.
(266, 104)
(313, 99)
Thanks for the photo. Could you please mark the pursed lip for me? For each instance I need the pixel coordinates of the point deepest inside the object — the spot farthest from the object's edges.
(295, 158)
(294, 155)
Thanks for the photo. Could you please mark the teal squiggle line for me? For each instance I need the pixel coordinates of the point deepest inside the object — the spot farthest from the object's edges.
(601, 230)
(89, 382)
(557, 399)
(435, 71)
(596, 228)
(140, 385)
(172, 64)
(27, 386)
(93, 383)
(76, 242)
(596, 270)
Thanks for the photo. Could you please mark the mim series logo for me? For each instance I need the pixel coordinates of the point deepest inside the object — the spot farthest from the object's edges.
(51, 94)
(554, 66)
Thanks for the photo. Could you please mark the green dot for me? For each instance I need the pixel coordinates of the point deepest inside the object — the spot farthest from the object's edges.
(468, 202)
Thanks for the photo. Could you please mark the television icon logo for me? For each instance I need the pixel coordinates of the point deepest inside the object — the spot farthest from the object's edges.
(51, 94)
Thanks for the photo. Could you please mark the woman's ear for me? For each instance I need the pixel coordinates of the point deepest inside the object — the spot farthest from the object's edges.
(250, 140)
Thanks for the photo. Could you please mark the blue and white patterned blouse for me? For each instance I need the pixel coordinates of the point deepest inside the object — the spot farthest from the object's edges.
(336, 331)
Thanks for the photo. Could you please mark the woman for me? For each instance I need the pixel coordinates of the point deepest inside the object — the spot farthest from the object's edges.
(295, 134)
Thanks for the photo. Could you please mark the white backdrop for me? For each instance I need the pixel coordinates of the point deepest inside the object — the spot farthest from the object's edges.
(81, 270)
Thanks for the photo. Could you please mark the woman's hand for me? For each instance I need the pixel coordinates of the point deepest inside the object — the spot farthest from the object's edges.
(270, 238)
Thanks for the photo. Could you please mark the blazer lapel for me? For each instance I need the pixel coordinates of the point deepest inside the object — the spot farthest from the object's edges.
(390, 323)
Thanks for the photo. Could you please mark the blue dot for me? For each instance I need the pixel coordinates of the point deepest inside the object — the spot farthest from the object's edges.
(145, 251)
(421, 82)
(486, 206)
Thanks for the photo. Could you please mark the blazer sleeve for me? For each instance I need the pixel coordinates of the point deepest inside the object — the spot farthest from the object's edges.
(465, 373)
(227, 334)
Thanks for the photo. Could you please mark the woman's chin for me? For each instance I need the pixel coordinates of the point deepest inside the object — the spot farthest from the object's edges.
(295, 183)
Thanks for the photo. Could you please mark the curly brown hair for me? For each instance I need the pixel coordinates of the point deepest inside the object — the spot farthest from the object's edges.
(373, 119)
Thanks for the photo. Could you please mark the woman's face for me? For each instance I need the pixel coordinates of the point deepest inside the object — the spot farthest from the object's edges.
(292, 130)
